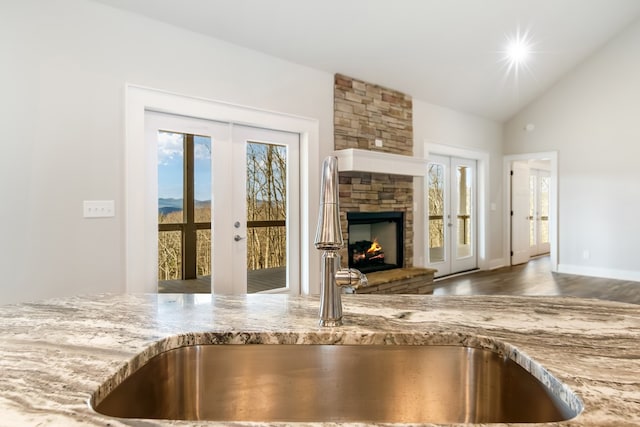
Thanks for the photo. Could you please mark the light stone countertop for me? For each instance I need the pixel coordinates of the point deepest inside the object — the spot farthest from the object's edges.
(56, 354)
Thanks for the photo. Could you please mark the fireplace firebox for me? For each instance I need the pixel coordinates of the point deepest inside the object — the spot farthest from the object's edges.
(375, 240)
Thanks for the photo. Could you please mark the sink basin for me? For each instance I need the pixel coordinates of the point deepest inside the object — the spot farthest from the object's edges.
(334, 383)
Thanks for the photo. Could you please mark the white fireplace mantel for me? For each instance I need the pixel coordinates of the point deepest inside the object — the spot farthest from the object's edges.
(356, 160)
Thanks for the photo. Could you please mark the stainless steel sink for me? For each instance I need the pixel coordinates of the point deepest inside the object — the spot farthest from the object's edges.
(334, 383)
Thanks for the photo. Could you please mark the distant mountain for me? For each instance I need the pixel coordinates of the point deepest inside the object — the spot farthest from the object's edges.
(168, 210)
(168, 205)
(200, 204)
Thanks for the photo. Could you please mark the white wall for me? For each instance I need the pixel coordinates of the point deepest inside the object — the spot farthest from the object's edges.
(64, 68)
(439, 125)
(592, 118)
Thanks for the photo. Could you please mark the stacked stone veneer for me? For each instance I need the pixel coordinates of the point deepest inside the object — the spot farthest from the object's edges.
(364, 112)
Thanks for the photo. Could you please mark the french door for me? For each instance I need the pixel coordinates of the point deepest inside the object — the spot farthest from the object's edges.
(451, 214)
(227, 195)
(265, 245)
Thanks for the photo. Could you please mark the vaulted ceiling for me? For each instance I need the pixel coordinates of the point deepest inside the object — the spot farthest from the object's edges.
(446, 52)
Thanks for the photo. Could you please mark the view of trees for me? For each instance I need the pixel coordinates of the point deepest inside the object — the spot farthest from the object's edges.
(266, 201)
(436, 205)
(170, 246)
(437, 201)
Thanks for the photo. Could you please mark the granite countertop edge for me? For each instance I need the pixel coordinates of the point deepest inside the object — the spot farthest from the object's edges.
(59, 353)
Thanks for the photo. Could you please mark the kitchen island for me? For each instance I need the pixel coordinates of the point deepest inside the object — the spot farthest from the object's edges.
(56, 354)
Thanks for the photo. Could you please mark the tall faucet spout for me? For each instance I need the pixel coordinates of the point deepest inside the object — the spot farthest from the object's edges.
(329, 240)
(328, 233)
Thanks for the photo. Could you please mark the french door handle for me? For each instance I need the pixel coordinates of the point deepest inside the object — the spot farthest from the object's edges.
(237, 237)
(449, 224)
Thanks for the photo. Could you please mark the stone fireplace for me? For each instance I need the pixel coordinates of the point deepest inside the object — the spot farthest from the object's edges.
(379, 121)
(374, 118)
(375, 240)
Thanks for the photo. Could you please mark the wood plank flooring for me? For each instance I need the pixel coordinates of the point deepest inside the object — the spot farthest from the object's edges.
(533, 278)
(536, 278)
(257, 281)
(201, 285)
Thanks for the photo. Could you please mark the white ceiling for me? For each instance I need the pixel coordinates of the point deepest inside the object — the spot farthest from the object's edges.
(446, 52)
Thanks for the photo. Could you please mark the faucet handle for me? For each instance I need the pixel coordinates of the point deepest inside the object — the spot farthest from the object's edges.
(351, 277)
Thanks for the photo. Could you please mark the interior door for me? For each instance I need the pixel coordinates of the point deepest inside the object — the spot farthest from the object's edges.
(520, 213)
(451, 214)
(253, 219)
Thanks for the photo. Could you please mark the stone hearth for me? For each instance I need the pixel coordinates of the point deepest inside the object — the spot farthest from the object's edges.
(412, 280)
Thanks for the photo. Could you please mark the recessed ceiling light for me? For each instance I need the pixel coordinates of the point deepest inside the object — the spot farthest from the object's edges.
(517, 52)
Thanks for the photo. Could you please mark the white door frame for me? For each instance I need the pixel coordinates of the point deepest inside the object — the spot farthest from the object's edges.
(140, 217)
(482, 191)
(552, 156)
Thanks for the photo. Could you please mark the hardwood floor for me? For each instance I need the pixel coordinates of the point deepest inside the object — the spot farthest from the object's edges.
(535, 278)
(257, 281)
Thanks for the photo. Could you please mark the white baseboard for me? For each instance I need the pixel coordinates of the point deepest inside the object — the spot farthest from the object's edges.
(497, 263)
(599, 272)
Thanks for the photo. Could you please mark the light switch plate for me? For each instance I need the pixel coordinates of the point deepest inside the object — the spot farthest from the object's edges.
(99, 208)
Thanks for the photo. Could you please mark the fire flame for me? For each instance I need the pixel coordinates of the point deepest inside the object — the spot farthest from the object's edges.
(375, 246)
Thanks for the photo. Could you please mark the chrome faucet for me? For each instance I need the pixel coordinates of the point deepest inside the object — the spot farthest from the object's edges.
(329, 240)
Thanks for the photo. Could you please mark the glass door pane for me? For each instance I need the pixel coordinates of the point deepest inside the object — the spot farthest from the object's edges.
(544, 209)
(436, 198)
(170, 204)
(266, 216)
(202, 204)
(170, 177)
(183, 174)
(169, 255)
(533, 179)
(464, 218)
(539, 211)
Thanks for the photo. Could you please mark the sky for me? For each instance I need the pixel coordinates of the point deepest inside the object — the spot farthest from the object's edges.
(170, 166)
(171, 161)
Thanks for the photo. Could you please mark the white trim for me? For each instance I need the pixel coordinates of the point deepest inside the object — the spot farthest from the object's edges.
(497, 263)
(608, 273)
(552, 156)
(482, 159)
(140, 230)
(352, 159)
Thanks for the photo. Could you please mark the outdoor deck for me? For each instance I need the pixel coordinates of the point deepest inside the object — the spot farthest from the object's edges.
(257, 281)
